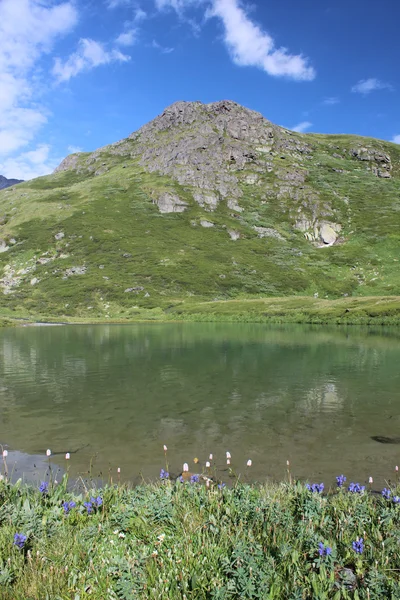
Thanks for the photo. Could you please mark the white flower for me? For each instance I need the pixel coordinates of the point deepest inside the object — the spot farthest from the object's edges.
(165, 448)
(5, 453)
(121, 535)
(119, 470)
(48, 452)
(228, 461)
(185, 467)
(228, 455)
(115, 532)
(67, 456)
(208, 464)
(210, 457)
(370, 480)
(249, 463)
(161, 537)
(287, 463)
(396, 468)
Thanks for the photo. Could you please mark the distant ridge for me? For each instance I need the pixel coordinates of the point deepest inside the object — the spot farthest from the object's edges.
(4, 182)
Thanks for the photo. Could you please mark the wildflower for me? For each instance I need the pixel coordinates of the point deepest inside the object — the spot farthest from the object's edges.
(208, 464)
(356, 488)
(161, 537)
(89, 507)
(185, 467)
(67, 456)
(210, 457)
(181, 479)
(19, 540)
(165, 448)
(358, 546)
(221, 486)
(121, 535)
(5, 453)
(396, 499)
(370, 480)
(97, 502)
(288, 463)
(67, 506)
(44, 488)
(340, 479)
(228, 461)
(249, 463)
(48, 452)
(396, 468)
(386, 493)
(195, 460)
(195, 479)
(119, 470)
(324, 550)
(164, 474)
(317, 488)
(228, 455)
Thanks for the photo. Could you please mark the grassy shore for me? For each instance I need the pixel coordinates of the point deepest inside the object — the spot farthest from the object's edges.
(370, 310)
(175, 540)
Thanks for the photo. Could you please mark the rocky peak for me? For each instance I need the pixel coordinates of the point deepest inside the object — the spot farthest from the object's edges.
(4, 182)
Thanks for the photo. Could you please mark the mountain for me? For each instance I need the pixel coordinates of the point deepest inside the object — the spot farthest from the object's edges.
(206, 202)
(4, 182)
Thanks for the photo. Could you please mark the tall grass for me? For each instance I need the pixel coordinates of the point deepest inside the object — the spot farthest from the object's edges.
(176, 540)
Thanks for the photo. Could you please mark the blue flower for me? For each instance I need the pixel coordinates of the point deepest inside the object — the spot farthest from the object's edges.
(396, 499)
(67, 506)
(194, 478)
(221, 486)
(97, 502)
(324, 550)
(340, 479)
(88, 506)
(358, 546)
(164, 474)
(181, 479)
(386, 493)
(318, 488)
(356, 488)
(44, 488)
(19, 540)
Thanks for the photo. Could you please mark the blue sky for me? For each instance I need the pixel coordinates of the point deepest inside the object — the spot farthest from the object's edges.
(79, 74)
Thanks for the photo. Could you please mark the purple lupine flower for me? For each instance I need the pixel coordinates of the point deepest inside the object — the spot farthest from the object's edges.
(44, 488)
(164, 474)
(67, 506)
(221, 486)
(356, 488)
(194, 478)
(386, 493)
(181, 479)
(324, 550)
(89, 507)
(340, 480)
(396, 499)
(317, 488)
(358, 546)
(19, 540)
(97, 502)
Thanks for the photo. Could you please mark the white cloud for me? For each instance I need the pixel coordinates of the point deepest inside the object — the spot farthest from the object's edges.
(117, 3)
(29, 165)
(90, 54)
(366, 86)
(163, 49)
(139, 15)
(74, 149)
(396, 139)
(248, 44)
(28, 29)
(331, 101)
(128, 38)
(301, 127)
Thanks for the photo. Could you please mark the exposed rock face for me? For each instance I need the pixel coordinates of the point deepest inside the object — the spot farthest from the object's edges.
(170, 203)
(382, 164)
(4, 182)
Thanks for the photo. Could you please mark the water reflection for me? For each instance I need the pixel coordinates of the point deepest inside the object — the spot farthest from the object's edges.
(314, 395)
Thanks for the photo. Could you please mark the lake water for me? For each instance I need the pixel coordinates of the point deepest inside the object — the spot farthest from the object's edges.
(113, 395)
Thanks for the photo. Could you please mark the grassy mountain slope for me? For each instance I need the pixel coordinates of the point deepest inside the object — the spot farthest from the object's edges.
(267, 214)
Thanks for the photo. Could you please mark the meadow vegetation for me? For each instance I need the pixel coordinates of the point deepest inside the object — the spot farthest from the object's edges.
(186, 538)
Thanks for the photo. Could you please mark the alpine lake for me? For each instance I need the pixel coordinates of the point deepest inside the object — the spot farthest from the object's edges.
(326, 399)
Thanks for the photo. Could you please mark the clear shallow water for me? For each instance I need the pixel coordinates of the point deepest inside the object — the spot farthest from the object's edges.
(116, 394)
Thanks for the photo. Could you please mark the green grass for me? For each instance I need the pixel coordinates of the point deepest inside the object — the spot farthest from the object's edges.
(185, 540)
